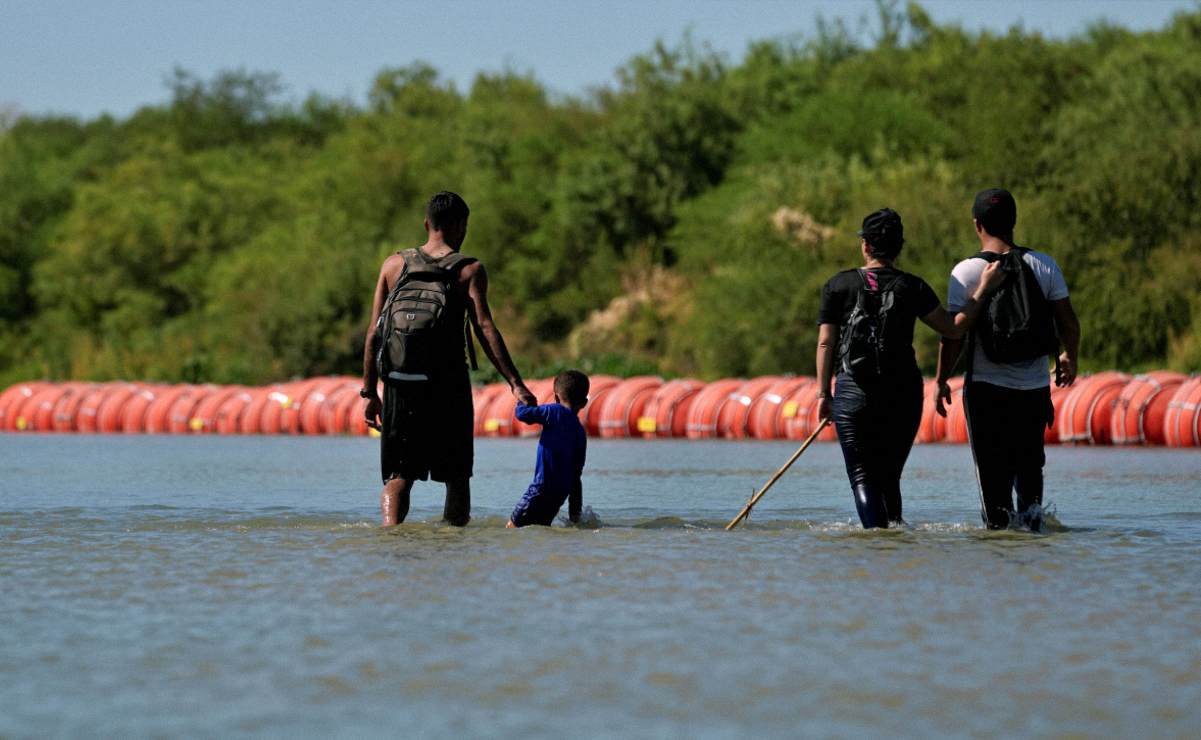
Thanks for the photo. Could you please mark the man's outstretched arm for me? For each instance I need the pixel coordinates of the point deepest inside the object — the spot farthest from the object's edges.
(488, 333)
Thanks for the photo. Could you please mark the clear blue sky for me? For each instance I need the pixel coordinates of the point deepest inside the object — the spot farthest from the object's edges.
(87, 56)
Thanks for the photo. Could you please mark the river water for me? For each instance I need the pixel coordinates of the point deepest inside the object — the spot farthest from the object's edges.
(230, 586)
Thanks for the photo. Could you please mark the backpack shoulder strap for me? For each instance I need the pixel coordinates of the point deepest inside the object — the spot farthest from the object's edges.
(986, 256)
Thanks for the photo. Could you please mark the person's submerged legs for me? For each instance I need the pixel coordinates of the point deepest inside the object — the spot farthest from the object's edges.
(394, 501)
(457, 509)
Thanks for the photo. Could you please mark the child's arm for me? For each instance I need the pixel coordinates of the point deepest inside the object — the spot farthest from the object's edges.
(575, 499)
(530, 414)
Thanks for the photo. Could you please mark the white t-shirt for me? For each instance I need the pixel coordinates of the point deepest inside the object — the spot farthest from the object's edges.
(1019, 375)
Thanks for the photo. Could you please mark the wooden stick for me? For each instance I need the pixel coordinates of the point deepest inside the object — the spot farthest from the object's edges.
(746, 510)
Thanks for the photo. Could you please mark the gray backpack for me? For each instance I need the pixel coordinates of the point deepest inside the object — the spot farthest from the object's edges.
(412, 335)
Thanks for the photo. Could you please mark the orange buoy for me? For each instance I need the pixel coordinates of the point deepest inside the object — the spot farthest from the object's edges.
(498, 418)
(481, 398)
(311, 403)
(278, 400)
(156, 419)
(1182, 419)
(598, 388)
(763, 418)
(85, 418)
(933, 428)
(249, 419)
(203, 418)
(800, 413)
(62, 416)
(347, 416)
(1058, 396)
(624, 406)
(1139, 412)
(11, 403)
(66, 411)
(179, 416)
(1088, 408)
(109, 413)
(707, 406)
(133, 412)
(734, 416)
(229, 413)
(36, 413)
(666, 411)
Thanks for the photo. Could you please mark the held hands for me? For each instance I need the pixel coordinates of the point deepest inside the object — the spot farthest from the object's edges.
(944, 395)
(523, 394)
(1065, 370)
(823, 408)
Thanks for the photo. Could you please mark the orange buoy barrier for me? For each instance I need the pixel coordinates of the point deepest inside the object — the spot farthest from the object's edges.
(1182, 419)
(706, 407)
(666, 411)
(229, 413)
(133, 412)
(1138, 415)
(624, 406)
(1088, 408)
(764, 420)
(734, 416)
(801, 412)
(1159, 407)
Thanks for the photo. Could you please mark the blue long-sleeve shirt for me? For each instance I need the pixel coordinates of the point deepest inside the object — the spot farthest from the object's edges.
(562, 447)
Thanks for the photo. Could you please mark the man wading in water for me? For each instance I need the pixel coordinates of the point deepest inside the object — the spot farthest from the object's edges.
(416, 345)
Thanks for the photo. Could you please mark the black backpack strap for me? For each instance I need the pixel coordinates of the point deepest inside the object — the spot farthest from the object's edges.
(452, 263)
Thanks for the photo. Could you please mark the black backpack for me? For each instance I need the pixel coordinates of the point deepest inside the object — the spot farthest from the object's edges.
(1016, 325)
(864, 347)
(412, 335)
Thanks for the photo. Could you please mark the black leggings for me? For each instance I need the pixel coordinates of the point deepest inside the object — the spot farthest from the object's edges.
(876, 426)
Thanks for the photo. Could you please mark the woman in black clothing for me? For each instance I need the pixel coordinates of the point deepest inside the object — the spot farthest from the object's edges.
(866, 337)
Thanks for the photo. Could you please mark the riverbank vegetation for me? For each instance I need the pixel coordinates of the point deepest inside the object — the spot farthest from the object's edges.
(680, 220)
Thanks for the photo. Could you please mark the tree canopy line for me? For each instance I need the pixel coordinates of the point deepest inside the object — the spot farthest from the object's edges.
(681, 220)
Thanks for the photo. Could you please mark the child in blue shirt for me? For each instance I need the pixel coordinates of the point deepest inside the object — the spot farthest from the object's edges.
(561, 450)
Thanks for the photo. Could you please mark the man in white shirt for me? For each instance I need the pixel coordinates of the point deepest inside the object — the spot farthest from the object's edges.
(1008, 395)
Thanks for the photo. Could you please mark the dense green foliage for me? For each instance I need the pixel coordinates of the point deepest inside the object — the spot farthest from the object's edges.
(682, 220)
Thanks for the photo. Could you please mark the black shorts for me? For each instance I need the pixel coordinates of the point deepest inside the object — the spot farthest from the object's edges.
(427, 430)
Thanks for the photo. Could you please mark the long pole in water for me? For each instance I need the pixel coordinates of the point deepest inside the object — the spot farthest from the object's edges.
(746, 510)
